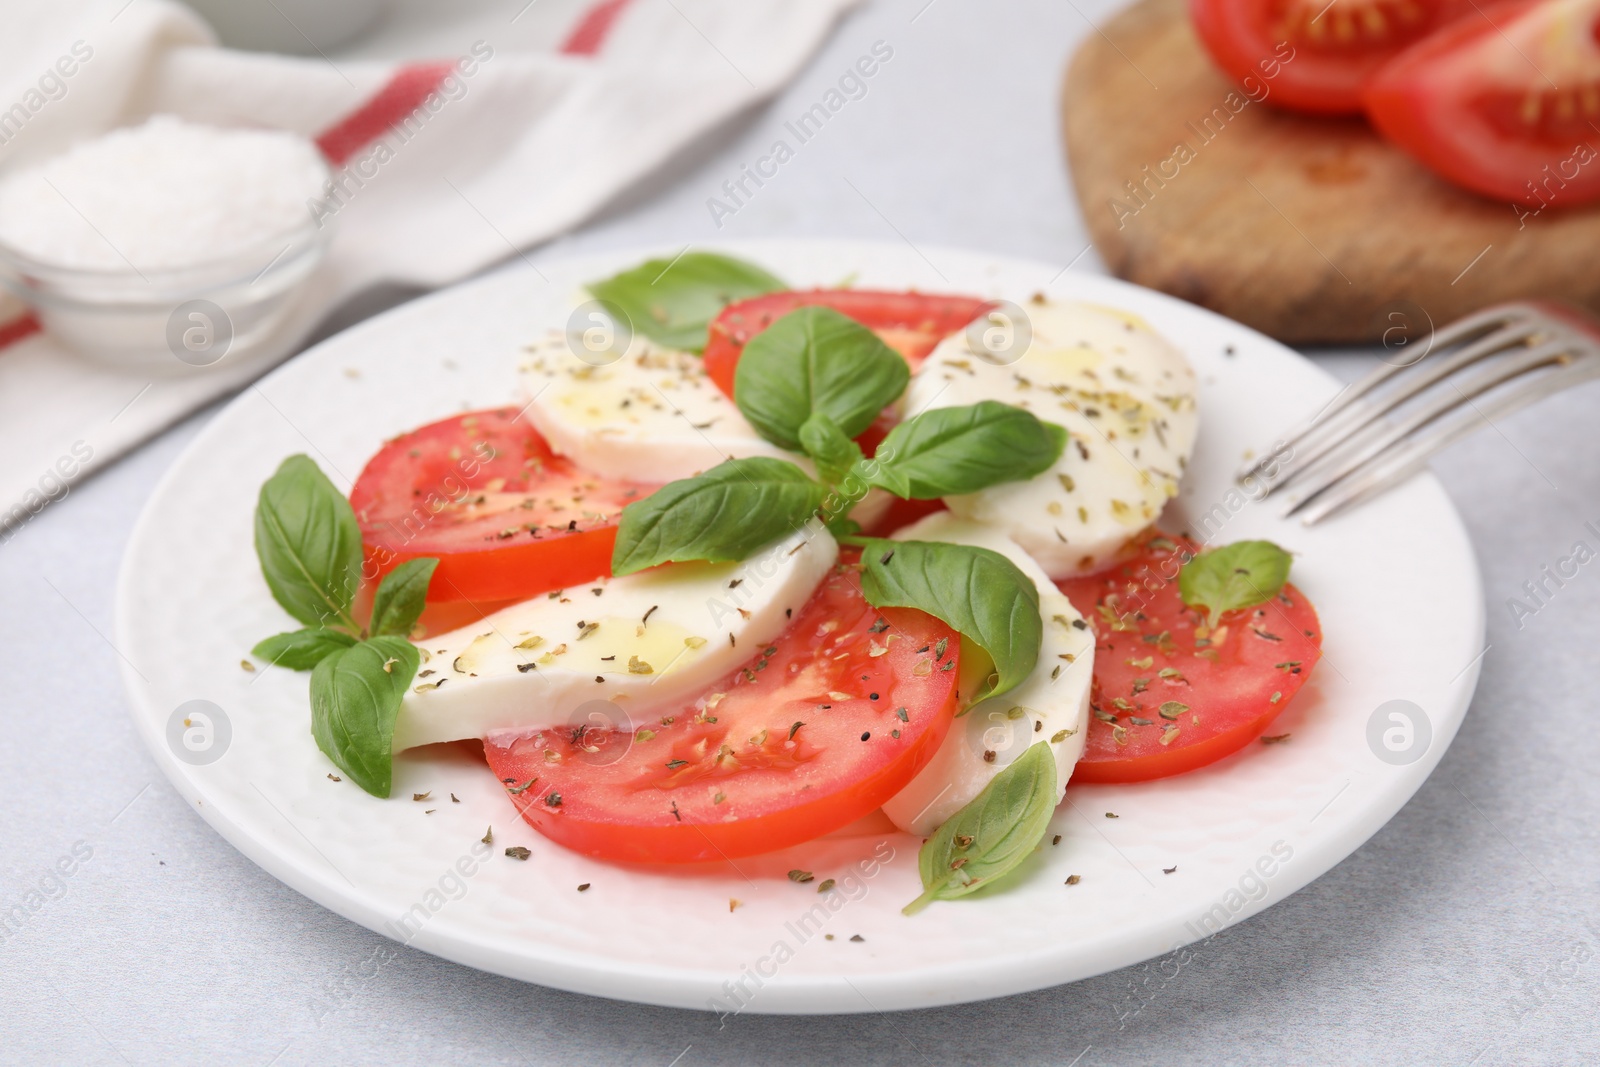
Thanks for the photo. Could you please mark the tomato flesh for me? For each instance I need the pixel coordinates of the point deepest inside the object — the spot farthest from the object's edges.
(730, 774)
(1153, 651)
(1310, 55)
(901, 513)
(910, 323)
(1507, 104)
(505, 516)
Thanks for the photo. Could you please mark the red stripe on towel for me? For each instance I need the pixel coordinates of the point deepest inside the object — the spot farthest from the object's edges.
(591, 31)
(414, 83)
(404, 93)
(23, 326)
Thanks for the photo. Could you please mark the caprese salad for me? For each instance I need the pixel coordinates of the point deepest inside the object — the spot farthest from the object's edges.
(752, 563)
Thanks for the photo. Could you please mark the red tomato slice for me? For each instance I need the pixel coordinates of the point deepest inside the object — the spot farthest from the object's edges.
(1506, 104)
(731, 773)
(901, 513)
(1154, 652)
(1312, 55)
(506, 517)
(910, 323)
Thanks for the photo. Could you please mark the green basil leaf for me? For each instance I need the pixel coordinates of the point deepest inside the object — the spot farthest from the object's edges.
(724, 514)
(833, 452)
(995, 832)
(1239, 575)
(976, 591)
(955, 450)
(815, 359)
(302, 650)
(400, 597)
(885, 476)
(672, 301)
(355, 697)
(308, 543)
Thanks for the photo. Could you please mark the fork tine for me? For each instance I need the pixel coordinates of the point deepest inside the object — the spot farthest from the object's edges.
(1333, 432)
(1348, 411)
(1368, 479)
(1357, 417)
(1348, 455)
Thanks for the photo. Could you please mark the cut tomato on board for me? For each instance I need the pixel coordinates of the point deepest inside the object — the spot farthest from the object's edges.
(1506, 103)
(910, 323)
(1169, 693)
(821, 727)
(1313, 55)
(483, 493)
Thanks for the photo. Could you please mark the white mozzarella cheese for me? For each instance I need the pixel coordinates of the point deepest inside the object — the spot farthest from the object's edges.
(653, 415)
(1051, 705)
(1126, 398)
(643, 641)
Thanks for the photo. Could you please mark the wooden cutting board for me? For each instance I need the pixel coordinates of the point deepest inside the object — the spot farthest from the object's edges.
(1311, 230)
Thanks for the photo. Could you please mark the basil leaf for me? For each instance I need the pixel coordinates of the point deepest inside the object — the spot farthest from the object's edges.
(354, 702)
(672, 301)
(825, 443)
(995, 832)
(302, 650)
(308, 543)
(978, 592)
(963, 449)
(1239, 575)
(724, 514)
(815, 359)
(400, 597)
(884, 475)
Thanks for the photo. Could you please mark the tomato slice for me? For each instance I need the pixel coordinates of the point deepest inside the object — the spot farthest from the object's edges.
(1159, 673)
(901, 513)
(506, 517)
(1311, 55)
(813, 733)
(1507, 105)
(910, 323)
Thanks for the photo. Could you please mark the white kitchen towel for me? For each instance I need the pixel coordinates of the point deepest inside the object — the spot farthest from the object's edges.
(460, 133)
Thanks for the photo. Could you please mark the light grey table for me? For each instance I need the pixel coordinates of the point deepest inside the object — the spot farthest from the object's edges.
(1466, 931)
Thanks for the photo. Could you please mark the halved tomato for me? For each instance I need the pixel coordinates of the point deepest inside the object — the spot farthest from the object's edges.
(910, 323)
(818, 729)
(1314, 55)
(506, 517)
(1506, 104)
(1171, 694)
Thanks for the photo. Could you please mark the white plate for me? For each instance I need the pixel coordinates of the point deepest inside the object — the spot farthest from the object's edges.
(1395, 583)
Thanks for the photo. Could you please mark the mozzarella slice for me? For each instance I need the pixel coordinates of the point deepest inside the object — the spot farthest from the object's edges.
(643, 641)
(653, 415)
(1126, 398)
(1051, 705)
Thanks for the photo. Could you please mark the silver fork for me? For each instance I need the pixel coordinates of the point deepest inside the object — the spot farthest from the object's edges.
(1509, 355)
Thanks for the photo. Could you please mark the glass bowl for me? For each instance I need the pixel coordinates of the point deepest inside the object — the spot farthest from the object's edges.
(171, 320)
